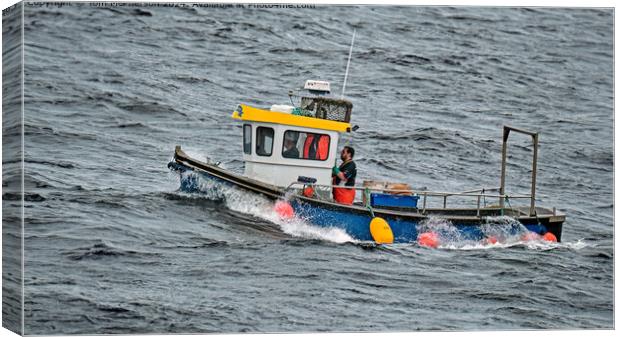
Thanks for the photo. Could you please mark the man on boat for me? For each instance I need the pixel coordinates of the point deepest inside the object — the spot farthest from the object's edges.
(346, 174)
(290, 148)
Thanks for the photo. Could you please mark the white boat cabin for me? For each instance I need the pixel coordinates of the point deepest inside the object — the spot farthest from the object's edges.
(286, 142)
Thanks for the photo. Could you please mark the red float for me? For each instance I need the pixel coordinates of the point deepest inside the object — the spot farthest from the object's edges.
(284, 209)
(550, 237)
(428, 239)
(309, 192)
(530, 236)
(491, 240)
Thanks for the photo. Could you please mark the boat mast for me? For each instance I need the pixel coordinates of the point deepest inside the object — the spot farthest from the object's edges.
(346, 73)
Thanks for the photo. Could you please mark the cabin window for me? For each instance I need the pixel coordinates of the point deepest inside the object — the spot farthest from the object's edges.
(264, 141)
(247, 138)
(305, 145)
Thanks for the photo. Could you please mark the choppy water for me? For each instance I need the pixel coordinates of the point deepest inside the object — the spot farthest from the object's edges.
(112, 246)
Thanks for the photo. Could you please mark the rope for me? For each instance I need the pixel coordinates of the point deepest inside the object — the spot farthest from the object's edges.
(508, 202)
(536, 216)
(371, 212)
(367, 194)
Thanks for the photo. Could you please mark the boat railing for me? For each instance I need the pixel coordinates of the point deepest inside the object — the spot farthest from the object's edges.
(479, 194)
(503, 198)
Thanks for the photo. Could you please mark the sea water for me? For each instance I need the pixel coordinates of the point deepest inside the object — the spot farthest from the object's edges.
(113, 246)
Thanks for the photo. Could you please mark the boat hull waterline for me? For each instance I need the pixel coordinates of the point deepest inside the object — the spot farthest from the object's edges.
(355, 220)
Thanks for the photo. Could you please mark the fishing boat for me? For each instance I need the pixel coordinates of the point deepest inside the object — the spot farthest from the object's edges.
(289, 152)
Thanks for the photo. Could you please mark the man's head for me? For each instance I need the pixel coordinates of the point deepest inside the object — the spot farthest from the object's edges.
(288, 143)
(347, 153)
(290, 139)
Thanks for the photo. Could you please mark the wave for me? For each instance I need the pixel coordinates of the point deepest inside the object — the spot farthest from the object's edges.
(244, 202)
(28, 196)
(102, 250)
(140, 107)
(506, 232)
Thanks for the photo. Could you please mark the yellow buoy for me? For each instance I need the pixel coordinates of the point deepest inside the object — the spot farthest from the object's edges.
(381, 231)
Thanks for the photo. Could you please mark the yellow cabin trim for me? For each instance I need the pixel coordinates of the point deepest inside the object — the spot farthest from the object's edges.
(259, 115)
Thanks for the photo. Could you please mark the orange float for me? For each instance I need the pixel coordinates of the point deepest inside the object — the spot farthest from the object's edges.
(491, 240)
(284, 209)
(530, 236)
(550, 237)
(308, 192)
(428, 239)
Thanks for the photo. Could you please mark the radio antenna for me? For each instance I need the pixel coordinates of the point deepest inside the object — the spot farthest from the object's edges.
(346, 72)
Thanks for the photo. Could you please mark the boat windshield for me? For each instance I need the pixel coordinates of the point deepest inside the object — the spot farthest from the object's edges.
(327, 108)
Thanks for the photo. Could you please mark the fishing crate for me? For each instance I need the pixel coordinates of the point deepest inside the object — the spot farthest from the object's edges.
(385, 187)
(393, 200)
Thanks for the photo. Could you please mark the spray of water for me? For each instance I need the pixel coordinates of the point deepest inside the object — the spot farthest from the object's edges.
(261, 207)
(506, 230)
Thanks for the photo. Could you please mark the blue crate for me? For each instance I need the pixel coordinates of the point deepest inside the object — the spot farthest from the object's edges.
(393, 200)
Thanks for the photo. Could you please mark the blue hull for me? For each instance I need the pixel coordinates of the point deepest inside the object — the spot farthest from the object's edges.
(356, 223)
(404, 230)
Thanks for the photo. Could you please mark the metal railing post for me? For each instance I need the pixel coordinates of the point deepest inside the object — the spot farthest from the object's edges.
(502, 183)
(533, 193)
(502, 188)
